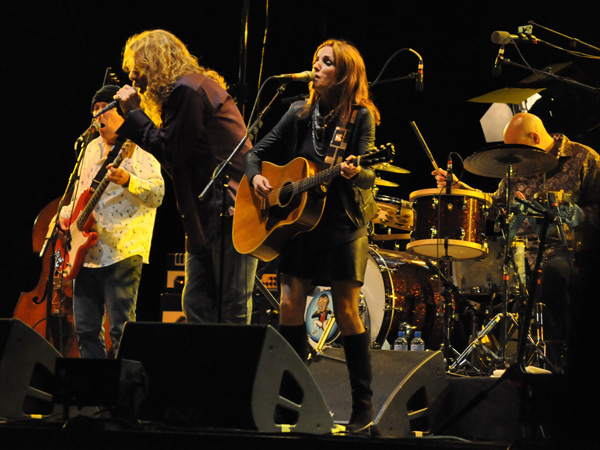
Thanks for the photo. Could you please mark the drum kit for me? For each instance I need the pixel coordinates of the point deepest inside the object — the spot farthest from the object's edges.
(449, 268)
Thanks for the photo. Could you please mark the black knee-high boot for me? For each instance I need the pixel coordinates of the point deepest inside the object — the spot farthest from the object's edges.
(358, 360)
(296, 337)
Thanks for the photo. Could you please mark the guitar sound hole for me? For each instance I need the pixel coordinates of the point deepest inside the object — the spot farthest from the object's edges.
(286, 194)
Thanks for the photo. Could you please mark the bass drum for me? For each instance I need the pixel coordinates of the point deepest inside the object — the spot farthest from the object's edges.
(401, 292)
(319, 313)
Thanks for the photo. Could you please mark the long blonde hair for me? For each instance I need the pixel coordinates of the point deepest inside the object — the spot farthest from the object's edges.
(351, 81)
(163, 59)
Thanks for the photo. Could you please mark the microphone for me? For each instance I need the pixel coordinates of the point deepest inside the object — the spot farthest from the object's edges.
(306, 77)
(87, 134)
(504, 37)
(523, 200)
(419, 80)
(108, 107)
(449, 175)
(498, 63)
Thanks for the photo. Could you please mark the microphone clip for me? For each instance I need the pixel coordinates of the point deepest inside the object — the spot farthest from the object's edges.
(449, 175)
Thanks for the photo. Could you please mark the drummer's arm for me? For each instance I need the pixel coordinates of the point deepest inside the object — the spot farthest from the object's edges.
(440, 178)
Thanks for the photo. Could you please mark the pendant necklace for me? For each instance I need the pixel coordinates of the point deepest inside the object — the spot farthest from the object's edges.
(319, 125)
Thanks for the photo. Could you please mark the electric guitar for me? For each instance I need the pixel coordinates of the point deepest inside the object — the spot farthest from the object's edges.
(261, 226)
(70, 252)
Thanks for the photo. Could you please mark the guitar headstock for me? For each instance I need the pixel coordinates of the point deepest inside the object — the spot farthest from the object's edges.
(389, 150)
(127, 149)
(384, 154)
(110, 77)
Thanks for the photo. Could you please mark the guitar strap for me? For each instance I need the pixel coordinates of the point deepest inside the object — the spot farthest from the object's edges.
(339, 141)
(109, 159)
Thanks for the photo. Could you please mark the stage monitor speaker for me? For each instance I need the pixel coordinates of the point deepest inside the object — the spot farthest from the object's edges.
(225, 376)
(408, 388)
(27, 363)
(116, 385)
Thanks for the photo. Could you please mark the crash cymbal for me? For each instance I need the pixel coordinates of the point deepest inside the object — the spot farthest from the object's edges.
(389, 168)
(525, 161)
(514, 96)
(382, 182)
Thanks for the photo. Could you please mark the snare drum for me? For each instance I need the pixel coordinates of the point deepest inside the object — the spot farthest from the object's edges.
(394, 213)
(449, 224)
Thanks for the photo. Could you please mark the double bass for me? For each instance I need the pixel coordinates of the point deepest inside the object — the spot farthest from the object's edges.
(48, 308)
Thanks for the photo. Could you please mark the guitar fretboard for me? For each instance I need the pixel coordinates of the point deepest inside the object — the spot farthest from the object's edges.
(95, 198)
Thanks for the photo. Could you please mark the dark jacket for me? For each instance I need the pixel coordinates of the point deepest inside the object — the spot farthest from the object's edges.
(201, 127)
(281, 145)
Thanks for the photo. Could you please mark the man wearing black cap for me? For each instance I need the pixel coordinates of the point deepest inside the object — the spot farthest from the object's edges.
(124, 217)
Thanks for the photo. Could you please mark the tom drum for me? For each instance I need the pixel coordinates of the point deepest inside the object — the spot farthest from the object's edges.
(449, 225)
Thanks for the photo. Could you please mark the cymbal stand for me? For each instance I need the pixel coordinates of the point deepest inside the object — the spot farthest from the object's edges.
(506, 263)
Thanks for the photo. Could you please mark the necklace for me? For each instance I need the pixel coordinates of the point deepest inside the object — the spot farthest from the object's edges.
(319, 125)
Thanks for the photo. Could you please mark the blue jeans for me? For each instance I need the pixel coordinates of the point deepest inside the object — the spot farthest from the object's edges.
(201, 289)
(114, 288)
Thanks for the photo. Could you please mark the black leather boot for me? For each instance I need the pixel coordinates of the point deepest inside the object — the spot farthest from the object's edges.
(358, 360)
(297, 338)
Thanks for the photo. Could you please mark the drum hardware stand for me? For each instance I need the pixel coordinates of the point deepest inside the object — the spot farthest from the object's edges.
(450, 288)
(317, 350)
(550, 215)
(507, 256)
(525, 339)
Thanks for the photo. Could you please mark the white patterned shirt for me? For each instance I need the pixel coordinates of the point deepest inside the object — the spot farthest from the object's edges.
(124, 214)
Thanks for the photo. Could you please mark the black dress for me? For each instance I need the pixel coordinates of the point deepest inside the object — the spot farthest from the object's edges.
(337, 248)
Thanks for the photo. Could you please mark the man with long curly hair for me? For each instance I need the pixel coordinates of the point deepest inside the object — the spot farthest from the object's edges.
(181, 113)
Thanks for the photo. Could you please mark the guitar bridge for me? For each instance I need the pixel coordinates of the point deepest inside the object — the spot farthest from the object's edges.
(264, 209)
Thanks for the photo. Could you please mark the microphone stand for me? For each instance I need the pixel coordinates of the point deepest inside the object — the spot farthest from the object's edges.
(56, 332)
(450, 291)
(507, 61)
(218, 174)
(413, 75)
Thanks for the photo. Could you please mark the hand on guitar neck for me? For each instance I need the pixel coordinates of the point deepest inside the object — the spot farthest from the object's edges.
(263, 188)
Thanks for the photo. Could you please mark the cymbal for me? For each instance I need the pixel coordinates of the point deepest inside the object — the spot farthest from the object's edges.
(507, 95)
(525, 161)
(389, 168)
(382, 182)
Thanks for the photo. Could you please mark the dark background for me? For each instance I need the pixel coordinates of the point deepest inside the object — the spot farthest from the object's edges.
(54, 56)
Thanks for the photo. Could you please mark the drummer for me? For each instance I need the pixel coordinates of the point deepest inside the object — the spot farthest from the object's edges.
(578, 174)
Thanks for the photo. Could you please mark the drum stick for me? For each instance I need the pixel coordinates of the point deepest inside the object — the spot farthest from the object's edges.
(423, 144)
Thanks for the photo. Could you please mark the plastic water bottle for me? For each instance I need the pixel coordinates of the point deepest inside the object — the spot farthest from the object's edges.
(401, 343)
(417, 344)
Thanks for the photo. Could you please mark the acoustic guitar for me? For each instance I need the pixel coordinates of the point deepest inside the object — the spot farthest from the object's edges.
(261, 226)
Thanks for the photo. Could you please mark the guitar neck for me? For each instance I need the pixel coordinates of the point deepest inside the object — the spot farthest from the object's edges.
(303, 185)
(93, 201)
(317, 179)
